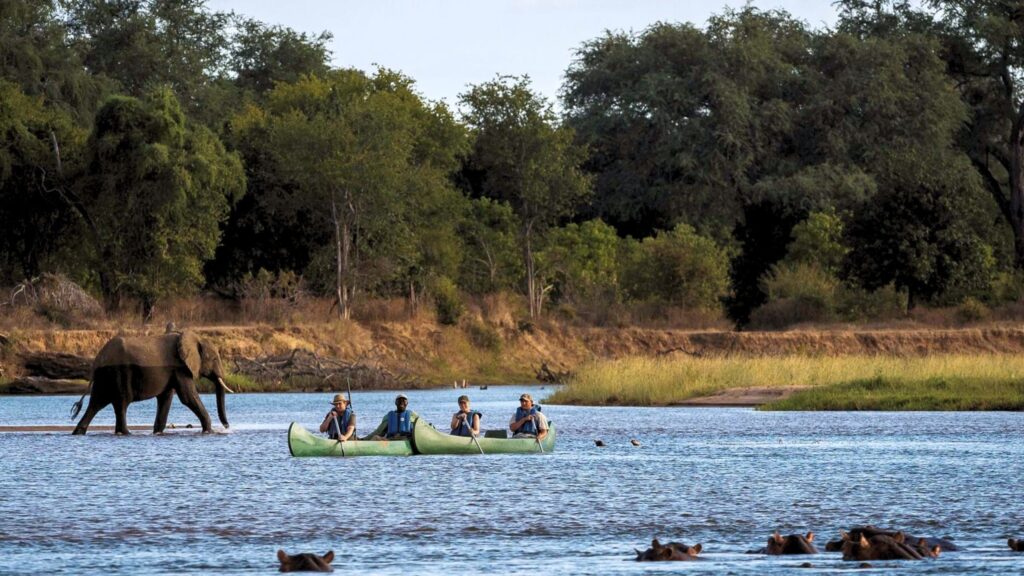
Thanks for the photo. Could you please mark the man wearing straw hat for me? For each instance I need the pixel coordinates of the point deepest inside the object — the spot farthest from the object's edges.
(528, 422)
(340, 418)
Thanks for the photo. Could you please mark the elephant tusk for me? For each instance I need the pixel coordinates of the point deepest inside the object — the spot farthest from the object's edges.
(224, 384)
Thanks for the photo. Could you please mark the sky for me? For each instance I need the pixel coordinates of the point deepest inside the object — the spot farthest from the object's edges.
(447, 45)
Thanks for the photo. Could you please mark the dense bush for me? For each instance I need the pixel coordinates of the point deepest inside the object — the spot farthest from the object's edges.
(679, 267)
(447, 301)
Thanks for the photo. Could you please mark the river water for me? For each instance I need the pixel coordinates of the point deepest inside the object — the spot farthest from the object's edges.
(185, 503)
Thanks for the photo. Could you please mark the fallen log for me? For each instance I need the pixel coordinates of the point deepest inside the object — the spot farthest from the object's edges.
(57, 366)
(33, 385)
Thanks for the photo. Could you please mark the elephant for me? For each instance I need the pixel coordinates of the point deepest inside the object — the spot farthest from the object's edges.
(130, 369)
(671, 551)
(792, 544)
(305, 562)
(869, 531)
(884, 547)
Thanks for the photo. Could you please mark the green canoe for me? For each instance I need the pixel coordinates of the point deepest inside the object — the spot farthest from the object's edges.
(429, 440)
(302, 443)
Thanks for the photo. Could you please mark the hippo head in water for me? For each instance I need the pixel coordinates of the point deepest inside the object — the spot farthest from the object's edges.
(792, 544)
(1016, 545)
(923, 545)
(670, 551)
(884, 547)
(305, 562)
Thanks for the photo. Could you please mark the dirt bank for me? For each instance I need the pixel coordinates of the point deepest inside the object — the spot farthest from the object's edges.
(502, 354)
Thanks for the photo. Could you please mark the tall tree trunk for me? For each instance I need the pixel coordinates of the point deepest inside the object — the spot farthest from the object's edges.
(342, 247)
(1016, 211)
(531, 279)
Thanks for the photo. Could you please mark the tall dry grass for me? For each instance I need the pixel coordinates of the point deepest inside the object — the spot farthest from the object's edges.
(664, 381)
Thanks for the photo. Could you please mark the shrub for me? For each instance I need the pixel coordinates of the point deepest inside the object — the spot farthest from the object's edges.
(447, 302)
(853, 303)
(971, 310)
(483, 336)
(680, 268)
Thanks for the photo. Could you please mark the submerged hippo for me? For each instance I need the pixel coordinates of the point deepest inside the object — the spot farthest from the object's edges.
(792, 544)
(671, 551)
(305, 562)
(884, 547)
(869, 531)
(1016, 545)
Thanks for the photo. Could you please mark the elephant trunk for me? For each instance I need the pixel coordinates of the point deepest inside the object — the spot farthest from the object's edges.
(221, 409)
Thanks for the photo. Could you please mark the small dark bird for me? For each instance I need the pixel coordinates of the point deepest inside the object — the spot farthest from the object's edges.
(634, 442)
(599, 443)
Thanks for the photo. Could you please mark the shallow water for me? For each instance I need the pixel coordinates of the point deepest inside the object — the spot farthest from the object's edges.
(186, 503)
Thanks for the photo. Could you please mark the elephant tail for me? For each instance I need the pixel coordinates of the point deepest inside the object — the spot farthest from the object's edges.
(77, 406)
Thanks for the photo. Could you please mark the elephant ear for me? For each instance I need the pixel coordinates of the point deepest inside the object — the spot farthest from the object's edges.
(188, 351)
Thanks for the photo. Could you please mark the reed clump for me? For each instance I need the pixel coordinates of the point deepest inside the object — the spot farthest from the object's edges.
(833, 382)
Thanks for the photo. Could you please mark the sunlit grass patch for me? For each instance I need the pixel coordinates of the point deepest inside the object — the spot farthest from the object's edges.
(956, 393)
(948, 382)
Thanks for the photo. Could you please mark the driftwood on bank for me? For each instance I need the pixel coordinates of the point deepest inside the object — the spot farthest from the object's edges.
(57, 366)
(33, 385)
(329, 373)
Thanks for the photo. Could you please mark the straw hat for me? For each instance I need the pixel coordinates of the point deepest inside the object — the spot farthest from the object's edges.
(339, 398)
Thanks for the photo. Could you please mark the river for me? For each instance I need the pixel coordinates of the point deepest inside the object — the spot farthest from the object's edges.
(185, 503)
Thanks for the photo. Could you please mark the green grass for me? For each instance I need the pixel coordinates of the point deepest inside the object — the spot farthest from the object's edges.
(948, 382)
(956, 393)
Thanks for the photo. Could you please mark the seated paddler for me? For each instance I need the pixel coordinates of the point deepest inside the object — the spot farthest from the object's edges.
(397, 424)
(465, 422)
(340, 422)
(528, 422)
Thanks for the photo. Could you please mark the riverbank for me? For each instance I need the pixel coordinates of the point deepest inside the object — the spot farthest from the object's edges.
(499, 351)
(940, 382)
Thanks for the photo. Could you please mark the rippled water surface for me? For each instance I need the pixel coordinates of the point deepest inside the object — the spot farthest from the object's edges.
(187, 503)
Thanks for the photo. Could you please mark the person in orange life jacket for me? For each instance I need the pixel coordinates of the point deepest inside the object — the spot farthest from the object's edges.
(341, 415)
(528, 422)
(397, 424)
(465, 422)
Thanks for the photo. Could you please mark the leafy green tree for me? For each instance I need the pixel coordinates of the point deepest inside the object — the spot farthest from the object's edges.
(491, 259)
(679, 267)
(582, 262)
(818, 241)
(366, 159)
(262, 55)
(528, 160)
(154, 193)
(917, 236)
(35, 216)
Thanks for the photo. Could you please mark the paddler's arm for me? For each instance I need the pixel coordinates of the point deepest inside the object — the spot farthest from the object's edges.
(351, 430)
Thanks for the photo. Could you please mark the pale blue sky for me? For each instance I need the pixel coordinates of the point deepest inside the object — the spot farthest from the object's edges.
(446, 45)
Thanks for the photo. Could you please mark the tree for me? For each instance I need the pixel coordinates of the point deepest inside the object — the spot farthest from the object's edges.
(491, 262)
(679, 267)
(368, 160)
(917, 236)
(263, 55)
(37, 144)
(983, 49)
(528, 160)
(582, 262)
(153, 195)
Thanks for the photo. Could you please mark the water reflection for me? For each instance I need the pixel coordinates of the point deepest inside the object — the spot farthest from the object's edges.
(725, 477)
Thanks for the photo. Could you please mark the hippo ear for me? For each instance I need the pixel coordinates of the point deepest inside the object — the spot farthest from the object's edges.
(936, 550)
(696, 549)
(777, 537)
(329, 557)
(655, 543)
(810, 536)
(864, 541)
(188, 351)
(899, 537)
(844, 535)
(281, 556)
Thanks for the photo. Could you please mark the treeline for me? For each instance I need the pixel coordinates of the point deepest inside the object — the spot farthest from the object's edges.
(756, 165)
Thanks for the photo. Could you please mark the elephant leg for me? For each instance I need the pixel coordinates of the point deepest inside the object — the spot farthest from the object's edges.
(163, 408)
(121, 417)
(96, 403)
(189, 396)
(124, 397)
